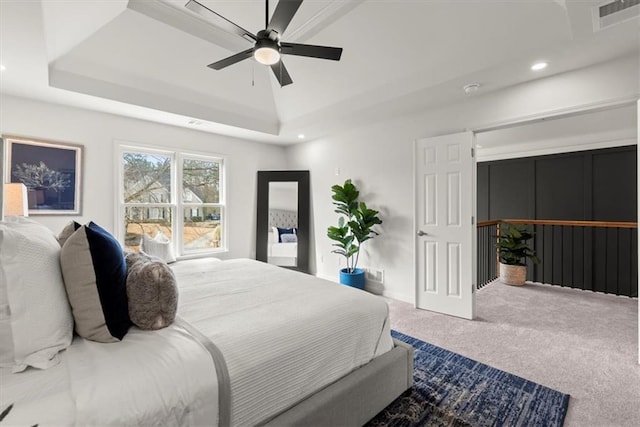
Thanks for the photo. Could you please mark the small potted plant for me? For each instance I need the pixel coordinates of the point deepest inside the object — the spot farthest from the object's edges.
(513, 252)
(355, 226)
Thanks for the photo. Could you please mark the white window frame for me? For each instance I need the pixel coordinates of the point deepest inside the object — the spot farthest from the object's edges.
(176, 204)
(181, 156)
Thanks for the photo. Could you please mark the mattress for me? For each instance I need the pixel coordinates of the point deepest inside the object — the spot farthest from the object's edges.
(284, 335)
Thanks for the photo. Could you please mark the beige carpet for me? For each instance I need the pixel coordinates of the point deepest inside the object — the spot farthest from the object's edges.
(577, 342)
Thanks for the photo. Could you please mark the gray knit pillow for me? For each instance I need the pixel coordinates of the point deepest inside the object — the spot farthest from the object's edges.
(133, 257)
(152, 292)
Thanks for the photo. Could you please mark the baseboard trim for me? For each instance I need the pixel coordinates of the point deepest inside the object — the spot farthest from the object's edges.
(385, 293)
(398, 296)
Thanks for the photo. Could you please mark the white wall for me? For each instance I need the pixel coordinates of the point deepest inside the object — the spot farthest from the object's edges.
(283, 196)
(379, 158)
(98, 133)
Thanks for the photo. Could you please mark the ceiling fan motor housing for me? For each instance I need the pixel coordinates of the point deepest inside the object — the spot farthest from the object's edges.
(267, 39)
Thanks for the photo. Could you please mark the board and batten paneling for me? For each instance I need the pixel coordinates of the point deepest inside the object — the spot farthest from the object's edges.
(595, 185)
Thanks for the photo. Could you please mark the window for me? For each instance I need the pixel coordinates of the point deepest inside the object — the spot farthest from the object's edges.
(178, 195)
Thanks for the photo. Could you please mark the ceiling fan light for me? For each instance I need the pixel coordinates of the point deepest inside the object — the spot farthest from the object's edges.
(266, 55)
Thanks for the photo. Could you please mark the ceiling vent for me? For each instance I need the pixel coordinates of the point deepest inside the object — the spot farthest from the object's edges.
(615, 12)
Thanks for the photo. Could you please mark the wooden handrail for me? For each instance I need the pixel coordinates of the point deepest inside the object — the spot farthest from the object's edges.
(488, 223)
(605, 224)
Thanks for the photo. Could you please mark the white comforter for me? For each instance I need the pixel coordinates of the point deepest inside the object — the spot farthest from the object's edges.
(288, 249)
(284, 335)
(150, 378)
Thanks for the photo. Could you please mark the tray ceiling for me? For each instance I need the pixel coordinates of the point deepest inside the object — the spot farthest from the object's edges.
(148, 59)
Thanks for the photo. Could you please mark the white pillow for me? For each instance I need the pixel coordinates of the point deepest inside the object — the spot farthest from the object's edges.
(159, 246)
(273, 235)
(35, 317)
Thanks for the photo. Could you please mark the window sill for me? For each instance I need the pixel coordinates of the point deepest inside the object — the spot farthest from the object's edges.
(207, 254)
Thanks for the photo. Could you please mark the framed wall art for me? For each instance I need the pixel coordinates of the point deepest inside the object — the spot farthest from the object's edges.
(51, 171)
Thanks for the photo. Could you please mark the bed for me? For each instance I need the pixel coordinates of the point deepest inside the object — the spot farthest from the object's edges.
(282, 249)
(253, 344)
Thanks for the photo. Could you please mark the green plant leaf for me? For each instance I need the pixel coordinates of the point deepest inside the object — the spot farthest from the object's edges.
(512, 245)
(355, 224)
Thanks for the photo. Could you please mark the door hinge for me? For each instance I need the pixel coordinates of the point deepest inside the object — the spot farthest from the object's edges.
(473, 220)
(473, 152)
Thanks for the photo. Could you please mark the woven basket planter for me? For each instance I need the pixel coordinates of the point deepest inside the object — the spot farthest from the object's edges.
(513, 274)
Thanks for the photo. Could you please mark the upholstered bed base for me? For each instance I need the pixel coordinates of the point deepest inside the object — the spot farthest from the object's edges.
(356, 398)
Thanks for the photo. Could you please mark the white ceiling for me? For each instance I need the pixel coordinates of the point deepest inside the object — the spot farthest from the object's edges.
(147, 59)
(594, 129)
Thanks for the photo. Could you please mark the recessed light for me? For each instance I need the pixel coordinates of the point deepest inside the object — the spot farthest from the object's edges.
(539, 66)
(301, 136)
(2, 67)
(471, 87)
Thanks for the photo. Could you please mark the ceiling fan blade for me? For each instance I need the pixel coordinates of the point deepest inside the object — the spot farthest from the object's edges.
(281, 73)
(283, 15)
(231, 60)
(218, 20)
(313, 51)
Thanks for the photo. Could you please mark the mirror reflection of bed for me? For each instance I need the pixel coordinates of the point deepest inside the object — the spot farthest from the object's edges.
(282, 240)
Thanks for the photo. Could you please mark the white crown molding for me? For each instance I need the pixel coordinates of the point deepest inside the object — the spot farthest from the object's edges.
(545, 148)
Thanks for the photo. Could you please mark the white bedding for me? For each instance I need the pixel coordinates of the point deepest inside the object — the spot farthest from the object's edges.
(164, 377)
(284, 335)
(289, 250)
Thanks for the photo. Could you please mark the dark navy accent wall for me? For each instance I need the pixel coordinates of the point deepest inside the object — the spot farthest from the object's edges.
(595, 185)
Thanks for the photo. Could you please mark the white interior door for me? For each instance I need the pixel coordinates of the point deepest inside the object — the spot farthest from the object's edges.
(445, 201)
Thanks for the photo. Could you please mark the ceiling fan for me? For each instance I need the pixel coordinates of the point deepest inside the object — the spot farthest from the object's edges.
(268, 46)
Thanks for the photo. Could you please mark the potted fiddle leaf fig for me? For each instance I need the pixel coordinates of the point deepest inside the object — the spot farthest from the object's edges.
(355, 226)
(513, 252)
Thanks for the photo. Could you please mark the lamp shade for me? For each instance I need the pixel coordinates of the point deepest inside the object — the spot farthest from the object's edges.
(15, 200)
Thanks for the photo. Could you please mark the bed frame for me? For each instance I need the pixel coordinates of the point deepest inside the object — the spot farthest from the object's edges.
(355, 398)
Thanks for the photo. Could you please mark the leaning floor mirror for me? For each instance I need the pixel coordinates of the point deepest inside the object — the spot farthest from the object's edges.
(282, 227)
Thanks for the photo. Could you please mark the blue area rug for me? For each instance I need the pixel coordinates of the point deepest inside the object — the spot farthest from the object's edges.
(452, 390)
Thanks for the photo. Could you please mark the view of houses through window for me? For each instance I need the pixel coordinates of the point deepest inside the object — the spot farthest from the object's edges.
(174, 197)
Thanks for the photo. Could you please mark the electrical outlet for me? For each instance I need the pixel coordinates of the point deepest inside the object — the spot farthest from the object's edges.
(374, 274)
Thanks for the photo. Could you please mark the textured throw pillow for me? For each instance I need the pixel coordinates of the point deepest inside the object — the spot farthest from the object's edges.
(159, 246)
(152, 292)
(35, 317)
(282, 231)
(67, 231)
(289, 238)
(95, 274)
(134, 257)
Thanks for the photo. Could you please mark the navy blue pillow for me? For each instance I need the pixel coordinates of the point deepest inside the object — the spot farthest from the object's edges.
(95, 275)
(282, 231)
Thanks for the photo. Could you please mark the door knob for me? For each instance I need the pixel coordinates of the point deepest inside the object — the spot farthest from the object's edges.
(422, 233)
